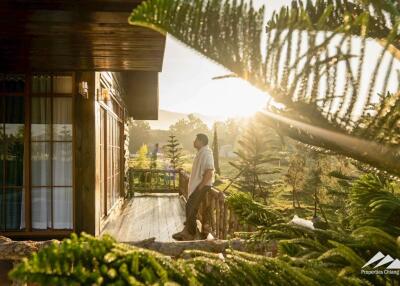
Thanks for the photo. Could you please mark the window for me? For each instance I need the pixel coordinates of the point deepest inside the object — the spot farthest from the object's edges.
(113, 160)
(51, 152)
(12, 193)
(110, 154)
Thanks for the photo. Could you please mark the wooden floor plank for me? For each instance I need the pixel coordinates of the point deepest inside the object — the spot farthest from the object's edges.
(148, 215)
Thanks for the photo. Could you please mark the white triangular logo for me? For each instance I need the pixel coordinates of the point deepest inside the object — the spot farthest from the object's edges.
(374, 259)
(384, 261)
(394, 265)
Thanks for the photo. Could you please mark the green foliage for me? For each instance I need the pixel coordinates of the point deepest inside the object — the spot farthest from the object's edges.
(295, 175)
(250, 211)
(229, 131)
(305, 256)
(174, 152)
(343, 249)
(139, 134)
(153, 158)
(186, 130)
(373, 203)
(142, 161)
(86, 260)
(256, 149)
(323, 85)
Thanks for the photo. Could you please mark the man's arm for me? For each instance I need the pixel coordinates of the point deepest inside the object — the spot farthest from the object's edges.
(206, 177)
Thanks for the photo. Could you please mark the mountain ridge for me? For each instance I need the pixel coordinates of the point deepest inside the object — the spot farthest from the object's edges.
(166, 118)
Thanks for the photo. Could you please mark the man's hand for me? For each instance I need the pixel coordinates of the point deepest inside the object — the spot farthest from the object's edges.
(206, 178)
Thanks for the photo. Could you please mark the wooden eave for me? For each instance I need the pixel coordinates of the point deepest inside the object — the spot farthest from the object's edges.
(76, 35)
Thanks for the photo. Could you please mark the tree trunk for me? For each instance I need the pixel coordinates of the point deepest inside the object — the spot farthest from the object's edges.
(16, 250)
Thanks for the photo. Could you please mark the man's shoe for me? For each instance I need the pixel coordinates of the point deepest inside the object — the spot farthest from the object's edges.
(177, 236)
(187, 236)
(183, 235)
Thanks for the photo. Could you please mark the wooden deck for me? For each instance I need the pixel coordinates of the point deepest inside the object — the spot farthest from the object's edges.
(146, 216)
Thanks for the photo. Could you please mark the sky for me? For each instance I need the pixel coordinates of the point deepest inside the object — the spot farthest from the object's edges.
(186, 83)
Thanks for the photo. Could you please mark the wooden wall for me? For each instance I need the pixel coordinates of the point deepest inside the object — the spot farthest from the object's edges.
(86, 208)
(141, 97)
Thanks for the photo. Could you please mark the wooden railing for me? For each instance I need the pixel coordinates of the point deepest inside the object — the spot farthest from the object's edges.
(215, 215)
(153, 180)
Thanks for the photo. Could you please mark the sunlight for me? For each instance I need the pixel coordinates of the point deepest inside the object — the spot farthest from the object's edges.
(230, 97)
(187, 86)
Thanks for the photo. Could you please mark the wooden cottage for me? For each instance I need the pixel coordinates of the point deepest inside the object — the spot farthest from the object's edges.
(72, 72)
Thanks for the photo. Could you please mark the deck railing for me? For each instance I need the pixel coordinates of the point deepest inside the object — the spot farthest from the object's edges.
(215, 215)
(153, 180)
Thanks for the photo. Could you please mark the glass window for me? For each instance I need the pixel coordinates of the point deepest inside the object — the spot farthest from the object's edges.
(62, 84)
(2, 208)
(40, 163)
(14, 209)
(62, 164)
(62, 208)
(102, 162)
(11, 162)
(41, 208)
(12, 83)
(52, 157)
(41, 84)
(62, 118)
(2, 156)
(41, 118)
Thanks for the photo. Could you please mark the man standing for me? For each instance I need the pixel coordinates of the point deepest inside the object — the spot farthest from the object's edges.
(200, 182)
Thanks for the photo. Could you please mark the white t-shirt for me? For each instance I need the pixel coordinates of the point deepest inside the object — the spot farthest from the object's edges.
(203, 161)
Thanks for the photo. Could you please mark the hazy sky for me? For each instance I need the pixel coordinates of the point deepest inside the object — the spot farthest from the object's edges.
(186, 83)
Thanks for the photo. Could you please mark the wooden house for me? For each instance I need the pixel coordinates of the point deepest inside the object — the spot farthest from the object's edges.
(72, 72)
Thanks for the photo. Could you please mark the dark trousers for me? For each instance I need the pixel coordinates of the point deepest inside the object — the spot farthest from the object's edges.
(192, 207)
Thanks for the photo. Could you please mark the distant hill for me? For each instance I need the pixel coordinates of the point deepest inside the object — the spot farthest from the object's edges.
(167, 118)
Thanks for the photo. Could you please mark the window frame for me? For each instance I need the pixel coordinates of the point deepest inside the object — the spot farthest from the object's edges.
(114, 110)
(27, 180)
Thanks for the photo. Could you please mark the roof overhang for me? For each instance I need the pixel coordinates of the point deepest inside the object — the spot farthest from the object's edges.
(50, 35)
(141, 94)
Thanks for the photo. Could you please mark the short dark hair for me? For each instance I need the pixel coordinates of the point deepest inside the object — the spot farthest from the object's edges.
(203, 138)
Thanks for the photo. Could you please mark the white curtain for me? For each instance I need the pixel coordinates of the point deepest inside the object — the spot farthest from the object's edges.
(52, 201)
(41, 210)
(62, 206)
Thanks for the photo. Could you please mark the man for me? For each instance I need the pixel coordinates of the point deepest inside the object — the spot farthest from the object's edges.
(200, 182)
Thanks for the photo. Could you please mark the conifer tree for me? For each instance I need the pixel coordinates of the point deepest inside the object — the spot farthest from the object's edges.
(255, 151)
(174, 152)
(215, 149)
(295, 176)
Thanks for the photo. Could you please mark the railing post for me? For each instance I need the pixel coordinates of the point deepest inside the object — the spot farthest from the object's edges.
(225, 217)
(183, 182)
(221, 215)
(211, 212)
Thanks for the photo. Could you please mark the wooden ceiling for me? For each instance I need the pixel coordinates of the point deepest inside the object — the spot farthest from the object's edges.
(50, 35)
